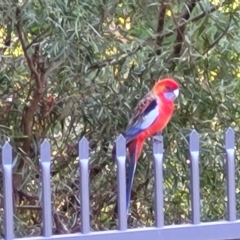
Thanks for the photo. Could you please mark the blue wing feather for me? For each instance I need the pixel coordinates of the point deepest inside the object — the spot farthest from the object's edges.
(150, 107)
(143, 120)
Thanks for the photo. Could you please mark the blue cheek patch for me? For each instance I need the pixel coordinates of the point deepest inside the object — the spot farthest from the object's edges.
(169, 95)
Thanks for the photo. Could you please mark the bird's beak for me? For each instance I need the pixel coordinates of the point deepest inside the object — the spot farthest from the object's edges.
(176, 93)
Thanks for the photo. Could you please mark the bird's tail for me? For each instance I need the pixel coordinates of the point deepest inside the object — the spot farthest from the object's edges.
(134, 149)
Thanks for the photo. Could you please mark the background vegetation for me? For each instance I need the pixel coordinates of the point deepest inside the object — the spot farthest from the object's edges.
(76, 68)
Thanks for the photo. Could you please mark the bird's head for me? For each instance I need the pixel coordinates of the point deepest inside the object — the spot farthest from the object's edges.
(167, 88)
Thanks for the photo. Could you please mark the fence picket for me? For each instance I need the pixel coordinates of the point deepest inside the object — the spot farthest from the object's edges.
(45, 163)
(230, 167)
(7, 190)
(195, 182)
(84, 182)
(158, 180)
(121, 179)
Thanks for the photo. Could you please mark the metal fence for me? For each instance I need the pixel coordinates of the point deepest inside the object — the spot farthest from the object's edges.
(227, 229)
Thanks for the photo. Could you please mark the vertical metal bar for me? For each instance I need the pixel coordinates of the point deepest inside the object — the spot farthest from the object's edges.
(7, 191)
(45, 163)
(121, 176)
(158, 180)
(195, 182)
(230, 164)
(84, 184)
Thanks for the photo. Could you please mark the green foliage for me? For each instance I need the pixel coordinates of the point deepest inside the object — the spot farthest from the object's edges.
(77, 68)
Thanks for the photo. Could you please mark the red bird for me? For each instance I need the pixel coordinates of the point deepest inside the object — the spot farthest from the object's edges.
(150, 116)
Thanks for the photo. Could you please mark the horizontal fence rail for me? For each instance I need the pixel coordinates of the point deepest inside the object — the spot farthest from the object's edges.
(196, 230)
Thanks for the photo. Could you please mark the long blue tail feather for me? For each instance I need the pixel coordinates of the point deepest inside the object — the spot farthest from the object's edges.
(131, 172)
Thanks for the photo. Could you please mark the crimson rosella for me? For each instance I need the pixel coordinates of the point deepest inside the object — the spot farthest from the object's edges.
(150, 116)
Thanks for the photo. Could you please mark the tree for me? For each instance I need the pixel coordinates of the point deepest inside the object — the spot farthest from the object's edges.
(71, 69)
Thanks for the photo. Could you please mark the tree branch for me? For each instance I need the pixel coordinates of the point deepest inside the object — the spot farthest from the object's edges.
(187, 9)
(29, 60)
(161, 17)
(118, 57)
(40, 77)
(27, 117)
(215, 42)
(61, 228)
(37, 39)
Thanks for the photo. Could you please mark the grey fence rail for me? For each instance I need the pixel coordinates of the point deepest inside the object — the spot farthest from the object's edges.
(197, 230)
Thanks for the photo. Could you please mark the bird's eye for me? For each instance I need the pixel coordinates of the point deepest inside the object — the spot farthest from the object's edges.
(168, 88)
